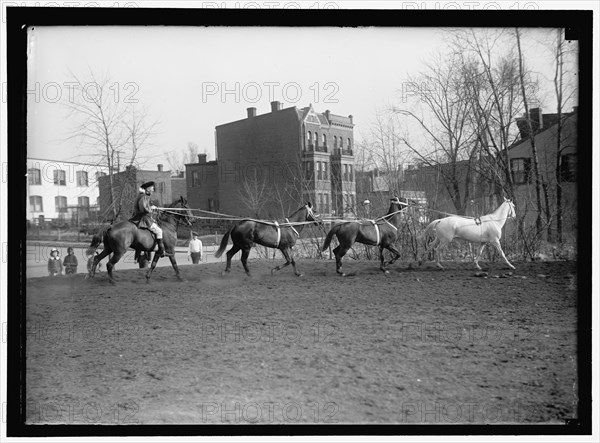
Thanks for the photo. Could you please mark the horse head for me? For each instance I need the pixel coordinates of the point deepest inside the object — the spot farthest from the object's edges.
(397, 205)
(311, 215)
(512, 213)
(186, 216)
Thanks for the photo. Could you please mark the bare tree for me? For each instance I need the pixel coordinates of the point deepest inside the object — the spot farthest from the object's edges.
(178, 159)
(447, 126)
(540, 183)
(107, 128)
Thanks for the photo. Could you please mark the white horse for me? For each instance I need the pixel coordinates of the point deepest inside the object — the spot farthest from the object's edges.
(485, 230)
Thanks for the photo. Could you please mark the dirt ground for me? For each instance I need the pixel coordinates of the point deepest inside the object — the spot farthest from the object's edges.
(418, 346)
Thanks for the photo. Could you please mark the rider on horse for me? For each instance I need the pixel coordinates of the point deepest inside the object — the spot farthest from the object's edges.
(142, 216)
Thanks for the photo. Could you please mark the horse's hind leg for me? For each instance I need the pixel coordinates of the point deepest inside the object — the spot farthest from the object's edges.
(244, 259)
(339, 252)
(112, 262)
(438, 251)
(499, 248)
(234, 250)
(97, 260)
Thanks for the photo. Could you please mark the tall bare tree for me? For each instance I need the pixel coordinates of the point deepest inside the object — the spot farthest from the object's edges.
(108, 127)
(443, 116)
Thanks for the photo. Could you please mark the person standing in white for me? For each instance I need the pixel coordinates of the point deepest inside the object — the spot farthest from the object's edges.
(195, 249)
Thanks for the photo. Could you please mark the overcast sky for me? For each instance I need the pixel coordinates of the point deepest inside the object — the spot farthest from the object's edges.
(193, 79)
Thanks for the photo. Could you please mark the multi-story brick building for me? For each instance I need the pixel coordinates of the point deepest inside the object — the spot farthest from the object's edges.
(62, 190)
(268, 164)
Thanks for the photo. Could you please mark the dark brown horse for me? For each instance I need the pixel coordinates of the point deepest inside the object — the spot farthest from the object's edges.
(123, 235)
(271, 234)
(382, 232)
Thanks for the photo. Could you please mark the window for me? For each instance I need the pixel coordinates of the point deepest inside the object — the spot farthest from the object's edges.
(195, 181)
(35, 176)
(60, 203)
(83, 202)
(325, 170)
(319, 171)
(521, 169)
(60, 177)
(334, 141)
(568, 168)
(316, 139)
(345, 178)
(161, 187)
(349, 144)
(350, 176)
(326, 207)
(324, 140)
(320, 201)
(82, 178)
(212, 204)
(341, 142)
(35, 203)
(309, 138)
(309, 170)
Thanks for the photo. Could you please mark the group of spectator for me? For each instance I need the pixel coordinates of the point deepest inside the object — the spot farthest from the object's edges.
(68, 266)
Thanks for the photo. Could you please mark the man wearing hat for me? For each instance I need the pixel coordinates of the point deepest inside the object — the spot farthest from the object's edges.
(142, 216)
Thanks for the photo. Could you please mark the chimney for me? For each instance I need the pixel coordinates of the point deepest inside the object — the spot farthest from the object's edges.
(351, 117)
(535, 115)
(160, 167)
(327, 114)
(275, 106)
(251, 112)
(201, 158)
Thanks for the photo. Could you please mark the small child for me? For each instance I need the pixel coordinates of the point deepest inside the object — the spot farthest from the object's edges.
(70, 262)
(55, 266)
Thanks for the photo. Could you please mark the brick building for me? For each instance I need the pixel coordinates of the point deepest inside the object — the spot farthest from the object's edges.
(268, 164)
(545, 127)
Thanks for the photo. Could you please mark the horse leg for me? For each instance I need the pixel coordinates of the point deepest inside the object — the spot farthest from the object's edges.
(394, 251)
(438, 250)
(478, 256)
(244, 259)
(175, 267)
(111, 263)
(152, 266)
(234, 250)
(499, 248)
(286, 255)
(97, 259)
(339, 252)
(382, 265)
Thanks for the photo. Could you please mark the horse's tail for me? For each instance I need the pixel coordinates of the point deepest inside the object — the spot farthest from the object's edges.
(330, 235)
(97, 239)
(429, 232)
(224, 241)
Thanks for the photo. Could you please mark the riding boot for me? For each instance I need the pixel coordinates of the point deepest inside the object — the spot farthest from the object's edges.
(161, 249)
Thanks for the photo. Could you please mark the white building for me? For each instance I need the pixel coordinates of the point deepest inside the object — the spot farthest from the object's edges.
(62, 190)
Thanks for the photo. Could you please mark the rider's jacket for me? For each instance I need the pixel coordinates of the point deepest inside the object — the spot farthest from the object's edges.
(142, 214)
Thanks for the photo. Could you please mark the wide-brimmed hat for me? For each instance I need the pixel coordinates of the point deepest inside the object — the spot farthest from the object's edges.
(54, 250)
(147, 185)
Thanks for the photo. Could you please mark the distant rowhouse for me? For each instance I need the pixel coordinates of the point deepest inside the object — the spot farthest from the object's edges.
(62, 190)
(268, 164)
